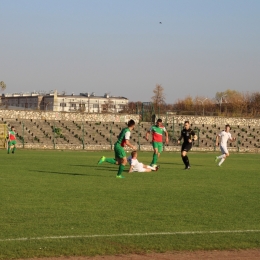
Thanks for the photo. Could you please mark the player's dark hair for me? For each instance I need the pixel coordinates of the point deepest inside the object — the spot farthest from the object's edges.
(130, 123)
(12, 127)
(159, 120)
(187, 122)
(228, 126)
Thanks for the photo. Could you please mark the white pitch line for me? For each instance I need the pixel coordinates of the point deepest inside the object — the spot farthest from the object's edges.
(131, 235)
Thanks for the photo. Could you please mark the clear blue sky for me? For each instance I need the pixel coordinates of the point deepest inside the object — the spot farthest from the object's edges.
(119, 46)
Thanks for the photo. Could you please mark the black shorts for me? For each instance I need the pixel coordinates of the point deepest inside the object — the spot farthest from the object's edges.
(186, 147)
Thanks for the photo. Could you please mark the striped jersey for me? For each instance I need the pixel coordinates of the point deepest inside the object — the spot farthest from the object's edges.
(157, 133)
(11, 135)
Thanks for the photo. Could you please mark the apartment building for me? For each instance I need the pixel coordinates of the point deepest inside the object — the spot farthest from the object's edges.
(54, 101)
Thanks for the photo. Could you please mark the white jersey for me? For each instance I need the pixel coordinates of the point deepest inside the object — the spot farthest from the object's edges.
(224, 137)
(137, 166)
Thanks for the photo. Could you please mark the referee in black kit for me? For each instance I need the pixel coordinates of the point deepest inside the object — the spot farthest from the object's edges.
(188, 136)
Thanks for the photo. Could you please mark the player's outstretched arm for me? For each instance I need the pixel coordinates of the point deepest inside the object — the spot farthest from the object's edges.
(166, 137)
(147, 135)
(216, 140)
(130, 145)
(193, 138)
(131, 168)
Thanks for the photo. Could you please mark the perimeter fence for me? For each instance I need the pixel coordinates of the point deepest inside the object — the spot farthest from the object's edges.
(58, 134)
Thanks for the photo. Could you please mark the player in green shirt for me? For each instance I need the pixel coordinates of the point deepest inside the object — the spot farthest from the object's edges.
(157, 132)
(11, 140)
(120, 155)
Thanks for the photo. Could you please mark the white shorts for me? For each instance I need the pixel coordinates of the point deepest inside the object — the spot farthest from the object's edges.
(139, 168)
(224, 149)
(142, 170)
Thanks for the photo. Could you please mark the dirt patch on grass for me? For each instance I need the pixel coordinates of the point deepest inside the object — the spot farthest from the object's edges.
(252, 254)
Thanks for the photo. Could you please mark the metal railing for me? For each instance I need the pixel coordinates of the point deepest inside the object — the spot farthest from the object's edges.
(83, 134)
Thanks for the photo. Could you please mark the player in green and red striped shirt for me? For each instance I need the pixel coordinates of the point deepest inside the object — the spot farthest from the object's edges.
(157, 134)
(11, 140)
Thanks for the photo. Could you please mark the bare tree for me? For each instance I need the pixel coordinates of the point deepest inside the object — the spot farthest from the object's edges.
(108, 106)
(82, 108)
(2, 85)
(255, 104)
(159, 98)
(233, 103)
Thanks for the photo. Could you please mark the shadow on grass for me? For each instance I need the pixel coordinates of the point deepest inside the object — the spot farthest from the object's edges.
(89, 166)
(75, 174)
(66, 173)
(172, 163)
(98, 168)
(192, 164)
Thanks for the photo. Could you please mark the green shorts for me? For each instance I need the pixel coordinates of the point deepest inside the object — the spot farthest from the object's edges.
(10, 143)
(119, 151)
(159, 146)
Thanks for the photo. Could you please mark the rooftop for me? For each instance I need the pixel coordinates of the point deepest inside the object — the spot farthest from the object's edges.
(62, 94)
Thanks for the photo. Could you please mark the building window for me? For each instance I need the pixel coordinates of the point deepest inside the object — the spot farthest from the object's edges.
(95, 105)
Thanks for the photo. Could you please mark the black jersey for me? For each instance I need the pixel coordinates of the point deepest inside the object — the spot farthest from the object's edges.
(186, 135)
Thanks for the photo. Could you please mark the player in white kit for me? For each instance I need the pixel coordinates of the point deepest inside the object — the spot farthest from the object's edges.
(224, 136)
(136, 166)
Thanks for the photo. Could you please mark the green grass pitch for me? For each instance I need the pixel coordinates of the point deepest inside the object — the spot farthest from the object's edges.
(56, 203)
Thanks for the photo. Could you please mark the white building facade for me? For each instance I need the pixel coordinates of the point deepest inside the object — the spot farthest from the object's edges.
(53, 101)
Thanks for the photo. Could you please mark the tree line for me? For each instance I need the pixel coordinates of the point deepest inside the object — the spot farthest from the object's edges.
(227, 103)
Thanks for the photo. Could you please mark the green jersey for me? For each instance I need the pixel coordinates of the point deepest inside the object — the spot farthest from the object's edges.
(123, 136)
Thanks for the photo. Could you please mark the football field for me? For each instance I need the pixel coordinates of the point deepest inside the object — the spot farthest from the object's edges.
(57, 203)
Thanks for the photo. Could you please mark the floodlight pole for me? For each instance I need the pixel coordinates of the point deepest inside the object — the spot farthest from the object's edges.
(138, 136)
(221, 101)
(111, 136)
(142, 111)
(54, 136)
(172, 128)
(202, 102)
(23, 134)
(83, 139)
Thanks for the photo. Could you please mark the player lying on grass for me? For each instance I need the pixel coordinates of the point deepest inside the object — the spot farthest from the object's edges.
(120, 155)
(224, 136)
(136, 166)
